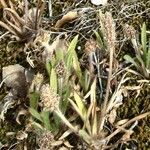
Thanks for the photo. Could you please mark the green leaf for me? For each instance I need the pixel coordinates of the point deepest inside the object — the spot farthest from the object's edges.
(59, 54)
(82, 111)
(131, 60)
(66, 95)
(85, 136)
(80, 104)
(73, 44)
(35, 114)
(141, 61)
(53, 61)
(34, 98)
(57, 121)
(87, 80)
(76, 108)
(144, 39)
(76, 66)
(142, 67)
(65, 120)
(53, 80)
(148, 58)
(72, 60)
(98, 38)
(69, 62)
(48, 67)
(70, 52)
(37, 126)
(45, 118)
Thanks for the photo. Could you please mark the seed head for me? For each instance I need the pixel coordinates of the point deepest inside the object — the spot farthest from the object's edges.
(90, 46)
(108, 29)
(36, 83)
(49, 99)
(45, 141)
(130, 32)
(60, 69)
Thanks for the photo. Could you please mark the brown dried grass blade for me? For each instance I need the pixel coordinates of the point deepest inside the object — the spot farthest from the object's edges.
(26, 11)
(71, 15)
(17, 23)
(16, 16)
(39, 12)
(4, 25)
(126, 124)
(3, 3)
(17, 30)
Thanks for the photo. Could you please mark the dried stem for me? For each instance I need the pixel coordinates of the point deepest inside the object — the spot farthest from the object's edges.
(3, 3)
(15, 28)
(103, 113)
(126, 124)
(17, 23)
(26, 11)
(17, 17)
(40, 14)
(109, 34)
(4, 25)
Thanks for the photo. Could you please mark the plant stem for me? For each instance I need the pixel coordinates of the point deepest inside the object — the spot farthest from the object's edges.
(103, 112)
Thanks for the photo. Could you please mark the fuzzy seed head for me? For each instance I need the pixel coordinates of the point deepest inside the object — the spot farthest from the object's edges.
(36, 83)
(60, 69)
(130, 32)
(49, 99)
(45, 141)
(90, 46)
(108, 29)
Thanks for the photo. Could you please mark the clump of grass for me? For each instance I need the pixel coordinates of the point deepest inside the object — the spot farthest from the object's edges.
(53, 96)
(142, 53)
(68, 90)
(22, 27)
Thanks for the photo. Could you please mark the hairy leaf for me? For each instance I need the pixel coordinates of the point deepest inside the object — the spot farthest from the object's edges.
(53, 80)
(80, 104)
(45, 118)
(144, 39)
(130, 60)
(70, 53)
(34, 97)
(35, 114)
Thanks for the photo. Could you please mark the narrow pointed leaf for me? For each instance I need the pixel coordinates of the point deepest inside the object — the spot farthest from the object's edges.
(144, 39)
(85, 136)
(70, 52)
(98, 38)
(148, 58)
(35, 114)
(76, 109)
(130, 60)
(59, 55)
(45, 118)
(48, 67)
(77, 69)
(80, 104)
(34, 98)
(53, 80)
(73, 44)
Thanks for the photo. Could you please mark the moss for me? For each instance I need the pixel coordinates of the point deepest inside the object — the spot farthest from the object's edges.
(133, 107)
